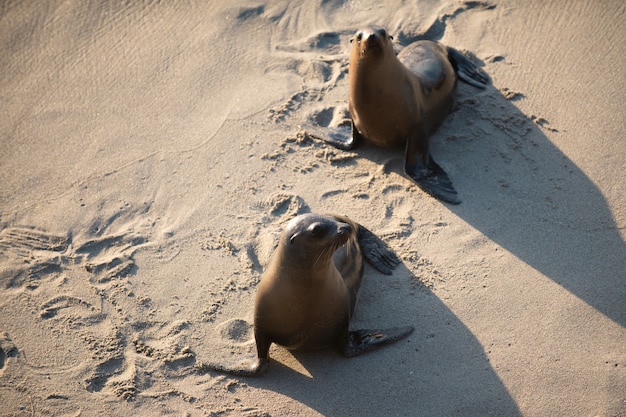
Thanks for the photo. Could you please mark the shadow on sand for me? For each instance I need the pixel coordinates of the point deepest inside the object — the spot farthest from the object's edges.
(529, 197)
(533, 201)
(439, 370)
(536, 203)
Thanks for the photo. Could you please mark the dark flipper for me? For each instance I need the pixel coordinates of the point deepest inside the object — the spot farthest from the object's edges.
(421, 168)
(361, 341)
(376, 252)
(255, 369)
(433, 179)
(467, 70)
(339, 137)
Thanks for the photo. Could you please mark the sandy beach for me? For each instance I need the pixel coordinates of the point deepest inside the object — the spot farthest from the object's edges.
(152, 152)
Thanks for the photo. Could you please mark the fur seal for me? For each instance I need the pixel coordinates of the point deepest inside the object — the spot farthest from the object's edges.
(309, 290)
(399, 101)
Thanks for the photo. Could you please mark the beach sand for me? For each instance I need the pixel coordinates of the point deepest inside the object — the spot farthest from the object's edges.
(151, 152)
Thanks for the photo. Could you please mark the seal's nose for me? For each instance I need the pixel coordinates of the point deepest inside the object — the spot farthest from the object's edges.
(369, 37)
(366, 35)
(344, 229)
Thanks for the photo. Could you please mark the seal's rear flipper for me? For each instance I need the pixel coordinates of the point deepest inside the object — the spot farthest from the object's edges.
(255, 369)
(467, 70)
(433, 186)
(432, 179)
(376, 252)
(361, 341)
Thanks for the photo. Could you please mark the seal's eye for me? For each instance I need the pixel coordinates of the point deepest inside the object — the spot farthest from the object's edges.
(316, 229)
(359, 36)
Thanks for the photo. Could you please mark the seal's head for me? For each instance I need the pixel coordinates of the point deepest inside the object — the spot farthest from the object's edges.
(315, 236)
(370, 42)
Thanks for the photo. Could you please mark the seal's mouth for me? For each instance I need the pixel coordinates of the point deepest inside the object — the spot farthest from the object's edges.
(371, 47)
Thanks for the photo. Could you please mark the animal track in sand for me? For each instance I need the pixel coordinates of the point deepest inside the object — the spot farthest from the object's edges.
(316, 150)
(236, 331)
(41, 254)
(7, 350)
(25, 241)
(336, 118)
(165, 347)
(51, 307)
(108, 353)
(30, 255)
(425, 273)
(253, 253)
(434, 28)
(290, 106)
(319, 78)
(320, 60)
(332, 193)
(330, 43)
(94, 264)
(110, 256)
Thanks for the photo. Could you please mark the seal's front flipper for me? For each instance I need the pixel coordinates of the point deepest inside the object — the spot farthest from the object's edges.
(339, 137)
(432, 179)
(361, 341)
(376, 252)
(255, 369)
(467, 70)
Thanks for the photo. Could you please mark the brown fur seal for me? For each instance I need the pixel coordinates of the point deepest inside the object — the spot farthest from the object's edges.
(309, 290)
(399, 101)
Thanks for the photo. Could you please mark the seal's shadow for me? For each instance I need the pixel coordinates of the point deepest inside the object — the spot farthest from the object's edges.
(548, 213)
(522, 192)
(439, 370)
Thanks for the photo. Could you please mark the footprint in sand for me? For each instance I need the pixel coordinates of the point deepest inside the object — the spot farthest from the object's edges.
(110, 256)
(107, 351)
(284, 206)
(434, 28)
(330, 43)
(51, 308)
(105, 256)
(275, 210)
(320, 60)
(30, 255)
(319, 77)
(398, 215)
(236, 331)
(25, 241)
(7, 350)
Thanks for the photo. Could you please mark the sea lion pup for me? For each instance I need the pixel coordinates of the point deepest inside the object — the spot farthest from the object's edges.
(399, 101)
(308, 292)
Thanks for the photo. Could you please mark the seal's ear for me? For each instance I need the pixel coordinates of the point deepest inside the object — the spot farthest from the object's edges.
(351, 39)
(293, 237)
(390, 37)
